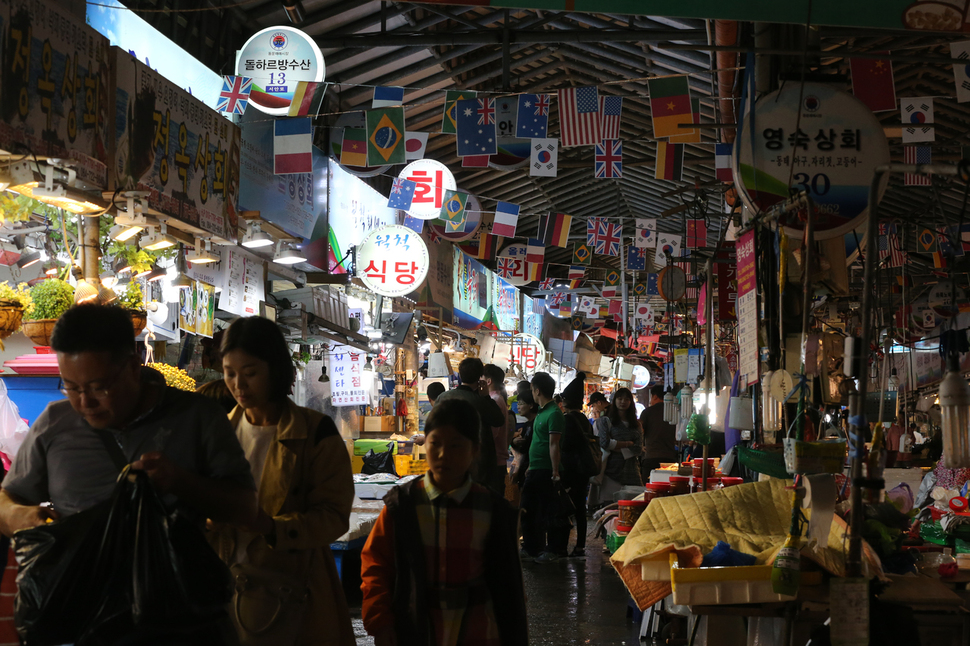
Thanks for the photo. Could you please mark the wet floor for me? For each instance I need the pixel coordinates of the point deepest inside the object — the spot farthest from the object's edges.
(570, 602)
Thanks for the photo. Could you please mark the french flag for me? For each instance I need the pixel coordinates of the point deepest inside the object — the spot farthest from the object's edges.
(292, 146)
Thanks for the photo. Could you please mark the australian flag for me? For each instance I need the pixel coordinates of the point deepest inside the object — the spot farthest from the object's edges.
(475, 126)
(652, 287)
(636, 259)
(532, 118)
(402, 194)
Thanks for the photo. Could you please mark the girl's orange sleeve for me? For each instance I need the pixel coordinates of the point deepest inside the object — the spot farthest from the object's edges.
(377, 572)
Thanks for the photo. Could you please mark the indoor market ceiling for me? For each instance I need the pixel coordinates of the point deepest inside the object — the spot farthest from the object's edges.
(431, 48)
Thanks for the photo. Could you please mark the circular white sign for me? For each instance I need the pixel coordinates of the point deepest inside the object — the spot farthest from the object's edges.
(511, 265)
(473, 222)
(528, 352)
(838, 145)
(641, 377)
(432, 178)
(392, 260)
(277, 59)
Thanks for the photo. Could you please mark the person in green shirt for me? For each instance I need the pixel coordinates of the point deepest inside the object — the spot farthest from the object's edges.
(541, 541)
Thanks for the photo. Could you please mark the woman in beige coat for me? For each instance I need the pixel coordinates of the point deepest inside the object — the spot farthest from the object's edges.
(306, 491)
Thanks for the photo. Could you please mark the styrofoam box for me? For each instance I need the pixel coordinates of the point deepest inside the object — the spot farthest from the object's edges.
(658, 568)
(707, 586)
(372, 490)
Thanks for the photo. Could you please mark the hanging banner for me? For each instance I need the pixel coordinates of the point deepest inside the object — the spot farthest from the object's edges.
(277, 59)
(392, 260)
(747, 310)
(472, 292)
(535, 309)
(346, 377)
(54, 88)
(528, 352)
(727, 284)
(187, 309)
(506, 305)
(205, 307)
(183, 153)
(438, 289)
(243, 286)
(833, 155)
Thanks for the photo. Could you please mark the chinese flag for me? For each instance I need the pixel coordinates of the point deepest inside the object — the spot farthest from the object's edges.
(872, 83)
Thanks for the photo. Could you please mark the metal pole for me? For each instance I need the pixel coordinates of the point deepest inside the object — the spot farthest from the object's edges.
(711, 382)
(808, 254)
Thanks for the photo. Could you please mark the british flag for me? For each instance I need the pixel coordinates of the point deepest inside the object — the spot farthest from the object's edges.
(542, 105)
(608, 237)
(592, 226)
(547, 283)
(557, 299)
(609, 159)
(234, 97)
(486, 112)
(507, 267)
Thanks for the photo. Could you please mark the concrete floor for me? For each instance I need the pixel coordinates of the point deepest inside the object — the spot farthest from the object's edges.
(570, 602)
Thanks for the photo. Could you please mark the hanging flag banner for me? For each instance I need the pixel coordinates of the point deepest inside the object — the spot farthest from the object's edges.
(691, 135)
(612, 284)
(579, 116)
(961, 71)
(592, 226)
(544, 158)
(432, 178)
(392, 260)
(668, 247)
(834, 155)
(670, 161)
(475, 125)
(872, 83)
(532, 119)
(415, 143)
(385, 136)
(653, 284)
(636, 259)
(554, 229)
(722, 162)
(385, 97)
(402, 193)
(917, 155)
(535, 252)
(292, 146)
(474, 161)
(747, 310)
(277, 59)
(234, 97)
(449, 120)
(669, 105)
(307, 99)
(646, 233)
(453, 210)
(576, 273)
(608, 159)
(353, 147)
(506, 219)
(608, 238)
(582, 254)
(696, 233)
(917, 115)
(611, 110)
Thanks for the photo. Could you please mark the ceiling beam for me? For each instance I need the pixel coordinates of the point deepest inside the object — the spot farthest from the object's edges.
(494, 37)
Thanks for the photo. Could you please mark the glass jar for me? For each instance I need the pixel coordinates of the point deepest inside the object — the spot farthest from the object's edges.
(730, 482)
(697, 484)
(656, 490)
(679, 485)
(630, 511)
(698, 466)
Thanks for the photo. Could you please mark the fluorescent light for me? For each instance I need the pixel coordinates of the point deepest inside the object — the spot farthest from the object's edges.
(201, 256)
(157, 242)
(255, 236)
(288, 256)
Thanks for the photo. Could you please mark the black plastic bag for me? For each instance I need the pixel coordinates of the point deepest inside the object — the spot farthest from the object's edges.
(379, 462)
(124, 571)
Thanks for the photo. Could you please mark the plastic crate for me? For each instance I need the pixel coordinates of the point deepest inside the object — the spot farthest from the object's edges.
(708, 586)
(418, 467)
(402, 464)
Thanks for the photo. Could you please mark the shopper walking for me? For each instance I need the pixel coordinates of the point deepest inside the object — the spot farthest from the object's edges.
(474, 391)
(597, 405)
(659, 436)
(541, 541)
(495, 381)
(580, 457)
(182, 440)
(619, 433)
(306, 492)
(440, 566)
(521, 442)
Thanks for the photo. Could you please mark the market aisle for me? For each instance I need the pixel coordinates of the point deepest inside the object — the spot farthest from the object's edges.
(569, 602)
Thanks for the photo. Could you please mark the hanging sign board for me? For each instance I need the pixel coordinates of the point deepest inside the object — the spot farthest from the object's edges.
(472, 293)
(392, 260)
(170, 144)
(832, 155)
(747, 310)
(54, 88)
(528, 352)
(433, 179)
(727, 284)
(506, 304)
(512, 265)
(242, 283)
(346, 377)
(277, 59)
(641, 377)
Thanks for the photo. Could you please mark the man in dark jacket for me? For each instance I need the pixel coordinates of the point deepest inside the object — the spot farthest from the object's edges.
(659, 437)
(578, 447)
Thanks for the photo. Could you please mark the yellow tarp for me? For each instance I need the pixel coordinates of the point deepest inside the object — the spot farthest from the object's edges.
(752, 518)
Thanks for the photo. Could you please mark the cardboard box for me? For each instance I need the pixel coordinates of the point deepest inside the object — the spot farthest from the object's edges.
(588, 360)
(374, 424)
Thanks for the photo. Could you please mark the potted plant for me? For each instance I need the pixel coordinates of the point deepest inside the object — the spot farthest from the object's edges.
(13, 302)
(133, 300)
(49, 299)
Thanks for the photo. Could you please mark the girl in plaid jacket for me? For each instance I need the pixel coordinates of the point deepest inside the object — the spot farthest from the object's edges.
(441, 566)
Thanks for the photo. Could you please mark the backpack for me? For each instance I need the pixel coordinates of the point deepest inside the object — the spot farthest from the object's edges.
(589, 465)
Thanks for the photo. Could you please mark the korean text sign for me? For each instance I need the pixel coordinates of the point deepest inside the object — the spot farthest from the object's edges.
(392, 260)
(346, 377)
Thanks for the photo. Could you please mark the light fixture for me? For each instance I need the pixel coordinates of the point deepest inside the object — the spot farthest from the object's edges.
(157, 242)
(85, 292)
(368, 366)
(121, 266)
(287, 256)
(255, 236)
(51, 268)
(200, 255)
(183, 282)
(294, 11)
(324, 377)
(109, 278)
(106, 296)
(122, 233)
(955, 408)
(28, 259)
(156, 273)
(144, 272)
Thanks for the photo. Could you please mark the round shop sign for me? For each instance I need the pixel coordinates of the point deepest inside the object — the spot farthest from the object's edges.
(528, 352)
(392, 260)
(473, 222)
(511, 265)
(641, 377)
(277, 59)
(831, 154)
(432, 178)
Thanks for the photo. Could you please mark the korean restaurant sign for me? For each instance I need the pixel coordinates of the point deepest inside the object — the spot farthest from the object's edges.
(392, 260)
(829, 145)
(346, 377)
(882, 14)
(433, 178)
(512, 265)
(54, 88)
(172, 145)
(528, 352)
(277, 59)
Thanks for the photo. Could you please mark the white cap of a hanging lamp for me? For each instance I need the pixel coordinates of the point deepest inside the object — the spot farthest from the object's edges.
(288, 255)
(255, 236)
(202, 253)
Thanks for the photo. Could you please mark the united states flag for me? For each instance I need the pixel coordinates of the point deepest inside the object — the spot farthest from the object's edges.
(579, 116)
(917, 155)
(889, 246)
(611, 107)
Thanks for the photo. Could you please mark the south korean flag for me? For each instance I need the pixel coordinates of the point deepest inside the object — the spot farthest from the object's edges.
(961, 71)
(667, 245)
(545, 158)
(917, 116)
(646, 237)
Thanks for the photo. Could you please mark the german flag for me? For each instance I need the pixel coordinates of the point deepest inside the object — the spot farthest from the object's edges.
(670, 106)
(554, 229)
(307, 99)
(670, 161)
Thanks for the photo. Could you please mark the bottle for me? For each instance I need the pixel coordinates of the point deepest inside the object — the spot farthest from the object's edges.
(786, 572)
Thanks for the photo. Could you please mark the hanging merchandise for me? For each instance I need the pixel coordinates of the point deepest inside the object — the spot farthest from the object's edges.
(671, 408)
(955, 405)
(686, 402)
(392, 260)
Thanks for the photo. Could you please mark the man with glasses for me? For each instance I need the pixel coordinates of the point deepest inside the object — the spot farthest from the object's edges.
(182, 440)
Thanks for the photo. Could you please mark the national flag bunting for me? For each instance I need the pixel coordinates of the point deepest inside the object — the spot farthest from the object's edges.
(611, 286)
(670, 161)
(475, 119)
(507, 266)
(722, 162)
(640, 289)
(669, 105)
(579, 116)
(582, 254)
(608, 159)
(961, 71)
(616, 307)
(611, 109)
(415, 143)
(926, 241)
(413, 223)
(234, 97)
(353, 148)
(532, 118)
(576, 272)
(916, 114)
(385, 97)
(292, 146)
(385, 137)
(653, 284)
(474, 161)
(691, 135)
(402, 193)
(917, 155)
(506, 218)
(554, 229)
(556, 299)
(696, 233)
(573, 284)
(448, 119)
(544, 158)
(592, 226)
(872, 82)
(646, 233)
(453, 210)
(636, 258)
(547, 283)
(533, 271)
(307, 99)
(535, 251)
(608, 238)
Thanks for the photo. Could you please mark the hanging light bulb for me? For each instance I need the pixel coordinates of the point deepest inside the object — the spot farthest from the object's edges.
(955, 408)
(686, 401)
(671, 410)
(85, 292)
(368, 366)
(324, 377)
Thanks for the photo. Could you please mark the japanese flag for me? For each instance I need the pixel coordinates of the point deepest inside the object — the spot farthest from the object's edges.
(415, 143)
(646, 236)
(643, 312)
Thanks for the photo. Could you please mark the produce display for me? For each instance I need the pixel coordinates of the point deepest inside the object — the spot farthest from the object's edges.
(175, 377)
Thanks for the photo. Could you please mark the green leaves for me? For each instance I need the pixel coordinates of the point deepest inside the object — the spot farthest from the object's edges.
(51, 298)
